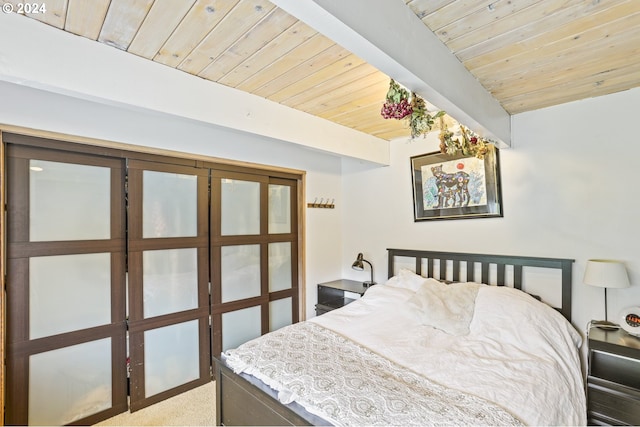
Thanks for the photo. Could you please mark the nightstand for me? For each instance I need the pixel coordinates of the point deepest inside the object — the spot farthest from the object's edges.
(335, 294)
(613, 380)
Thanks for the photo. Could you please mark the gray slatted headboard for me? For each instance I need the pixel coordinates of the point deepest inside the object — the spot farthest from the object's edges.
(462, 261)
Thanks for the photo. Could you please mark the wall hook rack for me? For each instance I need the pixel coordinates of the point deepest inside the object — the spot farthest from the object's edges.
(321, 204)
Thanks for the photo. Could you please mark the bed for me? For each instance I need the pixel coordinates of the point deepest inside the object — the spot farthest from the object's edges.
(436, 344)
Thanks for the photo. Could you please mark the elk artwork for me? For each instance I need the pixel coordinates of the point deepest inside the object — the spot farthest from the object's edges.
(453, 188)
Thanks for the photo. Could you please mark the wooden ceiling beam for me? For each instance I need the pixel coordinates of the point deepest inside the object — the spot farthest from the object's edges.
(395, 41)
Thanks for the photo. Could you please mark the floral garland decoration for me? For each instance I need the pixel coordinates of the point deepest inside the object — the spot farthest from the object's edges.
(399, 104)
(468, 143)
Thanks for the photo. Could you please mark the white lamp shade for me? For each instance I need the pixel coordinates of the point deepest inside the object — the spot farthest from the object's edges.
(606, 274)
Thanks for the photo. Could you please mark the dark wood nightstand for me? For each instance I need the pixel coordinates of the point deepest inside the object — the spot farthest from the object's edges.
(332, 295)
(613, 380)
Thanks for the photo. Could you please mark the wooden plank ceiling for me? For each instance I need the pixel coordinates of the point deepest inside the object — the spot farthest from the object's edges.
(528, 54)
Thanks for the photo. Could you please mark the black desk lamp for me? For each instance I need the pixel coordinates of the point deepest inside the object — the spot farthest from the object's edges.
(358, 265)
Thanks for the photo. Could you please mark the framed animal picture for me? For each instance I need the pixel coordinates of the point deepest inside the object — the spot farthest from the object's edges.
(456, 186)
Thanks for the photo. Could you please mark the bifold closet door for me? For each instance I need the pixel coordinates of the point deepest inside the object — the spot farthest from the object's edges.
(169, 343)
(254, 246)
(66, 345)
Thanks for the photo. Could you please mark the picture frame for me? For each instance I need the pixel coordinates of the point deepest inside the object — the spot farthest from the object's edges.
(456, 186)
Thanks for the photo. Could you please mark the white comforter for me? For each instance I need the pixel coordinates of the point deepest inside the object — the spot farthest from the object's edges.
(346, 384)
(519, 353)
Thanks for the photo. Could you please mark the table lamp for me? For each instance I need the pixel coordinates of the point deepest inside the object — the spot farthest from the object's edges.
(606, 274)
(358, 265)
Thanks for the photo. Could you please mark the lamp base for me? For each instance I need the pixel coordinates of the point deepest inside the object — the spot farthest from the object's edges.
(367, 284)
(605, 325)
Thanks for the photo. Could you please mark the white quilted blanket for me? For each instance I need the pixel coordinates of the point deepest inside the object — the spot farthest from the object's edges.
(347, 384)
(520, 353)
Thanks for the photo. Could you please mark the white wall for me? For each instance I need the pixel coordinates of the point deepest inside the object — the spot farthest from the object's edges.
(36, 109)
(569, 187)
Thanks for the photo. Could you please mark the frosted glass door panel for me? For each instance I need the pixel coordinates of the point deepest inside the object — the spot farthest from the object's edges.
(279, 209)
(171, 357)
(280, 313)
(279, 266)
(70, 383)
(68, 201)
(240, 272)
(240, 207)
(57, 281)
(169, 205)
(170, 281)
(240, 326)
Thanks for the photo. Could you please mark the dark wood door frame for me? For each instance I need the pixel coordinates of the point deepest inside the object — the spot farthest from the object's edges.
(20, 347)
(71, 145)
(138, 323)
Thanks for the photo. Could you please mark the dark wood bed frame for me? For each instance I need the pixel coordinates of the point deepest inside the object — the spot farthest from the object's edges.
(238, 402)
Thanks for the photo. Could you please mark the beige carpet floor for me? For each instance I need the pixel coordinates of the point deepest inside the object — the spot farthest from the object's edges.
(193, 408)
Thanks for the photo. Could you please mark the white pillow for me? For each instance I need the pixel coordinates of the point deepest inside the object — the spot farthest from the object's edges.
(406, 279)
(446, 307)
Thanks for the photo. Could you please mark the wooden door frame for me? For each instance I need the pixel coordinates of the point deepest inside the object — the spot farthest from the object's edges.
(20, 344)
(82, 143)
(262, 239)
(138, 244)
